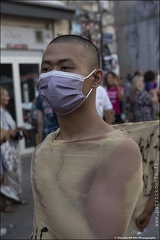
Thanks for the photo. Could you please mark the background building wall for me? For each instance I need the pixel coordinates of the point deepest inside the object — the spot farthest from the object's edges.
(61, 27)
(95, 21)
(137, 24)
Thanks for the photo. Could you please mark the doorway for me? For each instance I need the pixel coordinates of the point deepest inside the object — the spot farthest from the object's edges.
(19, 75)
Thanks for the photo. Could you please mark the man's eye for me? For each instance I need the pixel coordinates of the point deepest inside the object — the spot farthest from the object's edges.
(45, 70)
(64, 68)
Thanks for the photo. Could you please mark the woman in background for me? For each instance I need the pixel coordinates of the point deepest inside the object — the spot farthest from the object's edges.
(141, 101)
(10, 150)
(151, 87)
(115, 93)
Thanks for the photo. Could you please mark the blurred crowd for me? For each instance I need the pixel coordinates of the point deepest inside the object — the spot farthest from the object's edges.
(118, 100)
(134, 99)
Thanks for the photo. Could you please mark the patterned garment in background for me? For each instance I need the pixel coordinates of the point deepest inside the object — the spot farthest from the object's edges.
(147, 136)
(142, 107)
(10, 153)
(50, 123)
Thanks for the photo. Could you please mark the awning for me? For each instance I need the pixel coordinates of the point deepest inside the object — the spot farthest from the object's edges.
(36, 9)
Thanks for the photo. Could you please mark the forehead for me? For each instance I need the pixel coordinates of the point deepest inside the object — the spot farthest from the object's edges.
(58, 51)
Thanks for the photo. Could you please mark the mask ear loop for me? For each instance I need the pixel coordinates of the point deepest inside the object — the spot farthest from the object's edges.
(91, 88)
(89, 93)
(89, 74)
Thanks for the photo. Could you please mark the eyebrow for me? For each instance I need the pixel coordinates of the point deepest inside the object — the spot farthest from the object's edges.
(59, 61)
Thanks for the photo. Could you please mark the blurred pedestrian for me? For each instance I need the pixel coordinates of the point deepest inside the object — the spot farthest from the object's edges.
(122, 86)
(150, 79)
(10, 149)
(104, 105)
(138, 72)
(6, 190)
(46, 119)
(127, 97)
(128, 86)
(115, 93)
(141, 101)
(143, 219)
(33, 121)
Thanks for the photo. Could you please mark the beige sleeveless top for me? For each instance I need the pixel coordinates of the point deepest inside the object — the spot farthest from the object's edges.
(59, 171)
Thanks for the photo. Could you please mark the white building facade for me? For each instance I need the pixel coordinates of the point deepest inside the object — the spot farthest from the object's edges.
(26, 29)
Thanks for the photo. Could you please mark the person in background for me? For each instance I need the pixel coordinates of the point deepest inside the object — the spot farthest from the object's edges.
(103, 105)
(143, 219)
(86, 176)
(10, 149)
(127, 96)
(121, 85)
(141, 101)
(5, 206)
(3, 137)
(115, 93)
(138, 72)
(46, 119)
(128, 85)
(33, 121)
(150, 79)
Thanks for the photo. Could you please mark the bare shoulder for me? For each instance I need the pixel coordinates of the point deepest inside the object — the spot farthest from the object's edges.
(127, 147)
(125, 157)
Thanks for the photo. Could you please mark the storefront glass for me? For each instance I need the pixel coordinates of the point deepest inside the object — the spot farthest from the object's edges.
(28, 80)
(19, 75)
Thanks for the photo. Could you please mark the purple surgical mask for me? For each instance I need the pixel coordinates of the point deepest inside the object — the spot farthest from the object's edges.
(62, 91)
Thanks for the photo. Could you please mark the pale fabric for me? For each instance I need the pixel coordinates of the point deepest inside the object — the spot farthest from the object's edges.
(58, 173)
(103, 102)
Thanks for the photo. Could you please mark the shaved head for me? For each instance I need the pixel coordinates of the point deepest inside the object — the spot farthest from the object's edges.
(90, 52)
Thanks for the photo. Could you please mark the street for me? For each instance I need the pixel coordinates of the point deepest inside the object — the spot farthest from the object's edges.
(19, 223)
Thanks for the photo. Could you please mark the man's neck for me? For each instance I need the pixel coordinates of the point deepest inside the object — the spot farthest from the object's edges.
(78, 125)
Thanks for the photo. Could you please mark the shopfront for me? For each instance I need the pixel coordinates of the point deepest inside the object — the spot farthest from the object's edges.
(19, 74)
(26, 29)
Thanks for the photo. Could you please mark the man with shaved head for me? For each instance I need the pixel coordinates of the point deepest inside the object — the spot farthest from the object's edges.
(86, 176)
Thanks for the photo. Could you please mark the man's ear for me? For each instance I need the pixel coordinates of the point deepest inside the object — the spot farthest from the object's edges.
(97, 78)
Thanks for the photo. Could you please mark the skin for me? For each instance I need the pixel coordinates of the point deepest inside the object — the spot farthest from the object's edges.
(143, 219)
(109, 116)
(120, 167)
(71, 125)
